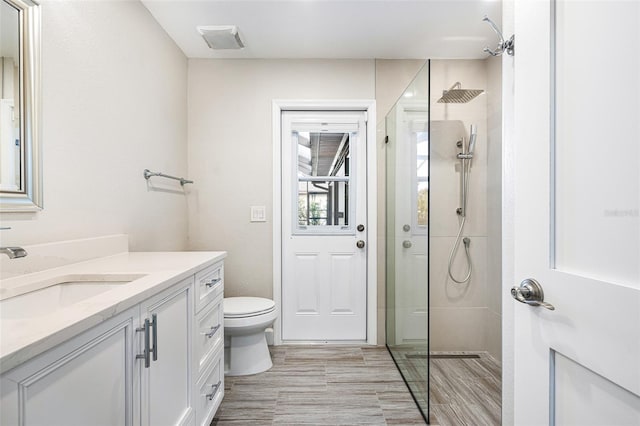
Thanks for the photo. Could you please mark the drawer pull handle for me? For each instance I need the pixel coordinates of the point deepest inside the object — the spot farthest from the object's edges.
(212, 331)
(212, 282)
(214, 390)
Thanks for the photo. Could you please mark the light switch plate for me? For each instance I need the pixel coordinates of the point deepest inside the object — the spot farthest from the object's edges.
(258, 214)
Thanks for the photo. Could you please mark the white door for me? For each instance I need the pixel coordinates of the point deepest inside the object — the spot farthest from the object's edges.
(324, 228)
(577, 230)
(410, 204)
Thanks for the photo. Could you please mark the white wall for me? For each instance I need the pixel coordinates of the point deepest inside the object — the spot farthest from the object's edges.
(113, 103)
(230, 151)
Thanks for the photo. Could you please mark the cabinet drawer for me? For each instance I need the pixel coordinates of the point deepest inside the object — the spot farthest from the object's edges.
(210, 331)
(209, 285)
(210, 390)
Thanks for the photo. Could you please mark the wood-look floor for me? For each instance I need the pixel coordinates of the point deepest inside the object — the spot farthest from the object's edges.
(463, 391)
(321, 385)
(347, 385)
(466, 391)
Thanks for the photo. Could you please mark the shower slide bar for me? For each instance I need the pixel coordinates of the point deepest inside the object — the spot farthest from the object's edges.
(148, 173)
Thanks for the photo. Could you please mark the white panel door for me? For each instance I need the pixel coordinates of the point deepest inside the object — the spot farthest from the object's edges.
(324, 228)
(577, 227)
(411, 195)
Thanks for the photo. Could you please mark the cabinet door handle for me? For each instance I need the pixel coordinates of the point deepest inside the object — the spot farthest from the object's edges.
(214, 390)
(146, 353)
(212, 282)
(211, 332)
(154, 324)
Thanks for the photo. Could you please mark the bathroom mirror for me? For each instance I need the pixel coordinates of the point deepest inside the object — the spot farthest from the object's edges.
(20, 156)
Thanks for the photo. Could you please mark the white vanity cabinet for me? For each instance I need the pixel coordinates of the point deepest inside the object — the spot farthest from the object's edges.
(167, 381)
(157, 363)
(208, 356)
(87, 380)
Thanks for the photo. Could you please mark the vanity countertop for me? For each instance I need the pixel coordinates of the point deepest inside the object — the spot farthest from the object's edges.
(23, 338)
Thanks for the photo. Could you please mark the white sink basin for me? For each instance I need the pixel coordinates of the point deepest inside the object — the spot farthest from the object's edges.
(59, 293)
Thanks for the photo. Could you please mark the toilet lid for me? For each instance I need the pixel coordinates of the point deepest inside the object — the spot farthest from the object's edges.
(247, 306)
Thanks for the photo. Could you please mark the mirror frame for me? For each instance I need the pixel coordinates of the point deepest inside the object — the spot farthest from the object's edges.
(29, 199)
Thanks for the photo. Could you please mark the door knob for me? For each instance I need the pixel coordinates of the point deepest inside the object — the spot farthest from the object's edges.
(406, 244)
(530, 292)
(360, 244)
(406, 228)
(360, 228)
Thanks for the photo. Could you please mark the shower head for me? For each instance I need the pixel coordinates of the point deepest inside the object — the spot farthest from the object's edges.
(457, 95)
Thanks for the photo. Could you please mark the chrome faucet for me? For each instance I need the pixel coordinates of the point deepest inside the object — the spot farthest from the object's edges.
(12, 252)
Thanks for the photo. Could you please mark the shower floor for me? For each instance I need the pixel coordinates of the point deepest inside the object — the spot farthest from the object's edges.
(465, 386)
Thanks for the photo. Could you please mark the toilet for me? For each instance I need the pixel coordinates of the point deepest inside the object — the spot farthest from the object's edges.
(245, 321)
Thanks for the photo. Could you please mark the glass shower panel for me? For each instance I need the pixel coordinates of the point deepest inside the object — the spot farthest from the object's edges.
(407, 194)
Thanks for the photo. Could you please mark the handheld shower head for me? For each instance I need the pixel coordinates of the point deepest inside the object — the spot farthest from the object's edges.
(473, 134)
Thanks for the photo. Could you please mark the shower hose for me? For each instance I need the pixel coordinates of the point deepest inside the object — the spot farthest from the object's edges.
(467, 242)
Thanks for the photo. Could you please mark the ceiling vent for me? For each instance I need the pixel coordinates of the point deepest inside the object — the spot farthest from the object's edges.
(221, 37)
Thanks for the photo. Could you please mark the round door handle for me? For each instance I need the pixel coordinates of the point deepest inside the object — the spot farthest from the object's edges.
(360, 244)
(360, 228)
(406, 244)
(530, 292)
(406, 228)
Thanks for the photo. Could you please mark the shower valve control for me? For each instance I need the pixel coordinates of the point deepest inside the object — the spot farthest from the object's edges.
(530, 292)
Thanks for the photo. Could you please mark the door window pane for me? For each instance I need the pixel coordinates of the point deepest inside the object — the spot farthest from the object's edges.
(323, 203)
(324, 181)
(323, 154)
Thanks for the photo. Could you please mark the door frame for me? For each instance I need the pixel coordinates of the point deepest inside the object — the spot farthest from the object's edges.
(508, 219)
(369, 107)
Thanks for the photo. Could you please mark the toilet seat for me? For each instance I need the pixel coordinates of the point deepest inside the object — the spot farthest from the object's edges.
(246, 307)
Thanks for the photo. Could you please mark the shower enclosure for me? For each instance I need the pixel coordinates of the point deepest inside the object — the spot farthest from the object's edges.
(443, 239)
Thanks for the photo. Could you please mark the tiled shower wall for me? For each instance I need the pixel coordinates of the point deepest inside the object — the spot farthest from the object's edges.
(465, 317)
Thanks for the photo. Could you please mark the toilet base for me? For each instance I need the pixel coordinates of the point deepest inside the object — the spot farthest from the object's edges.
(248, 354)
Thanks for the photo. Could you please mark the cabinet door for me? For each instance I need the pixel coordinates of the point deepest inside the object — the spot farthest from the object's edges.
(88, 380)
(167, 382)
